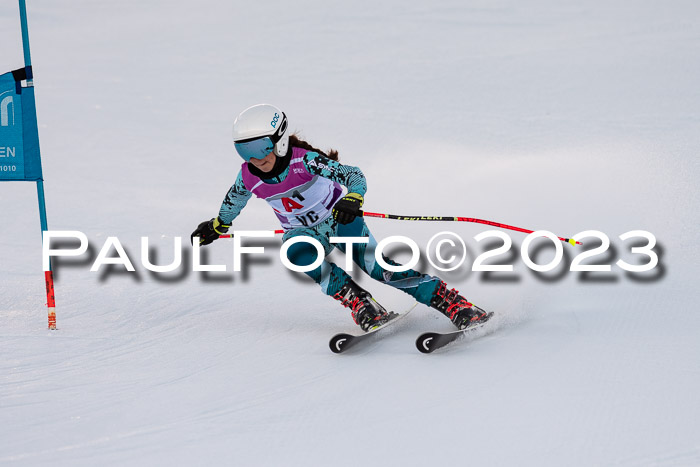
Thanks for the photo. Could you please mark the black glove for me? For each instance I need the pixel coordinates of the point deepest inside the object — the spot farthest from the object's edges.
(348, 208)
(208, 231)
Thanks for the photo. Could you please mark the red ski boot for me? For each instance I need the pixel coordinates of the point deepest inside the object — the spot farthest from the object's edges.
(366, 311)
(461, 312)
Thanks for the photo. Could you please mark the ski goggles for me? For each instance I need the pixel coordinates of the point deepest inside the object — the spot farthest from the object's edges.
(260, 146)
(257, 148)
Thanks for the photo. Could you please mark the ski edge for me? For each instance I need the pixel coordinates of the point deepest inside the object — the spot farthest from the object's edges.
(428, 342)
(344, 341)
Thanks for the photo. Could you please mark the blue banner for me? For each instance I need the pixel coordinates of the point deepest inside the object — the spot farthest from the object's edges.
(19, 136)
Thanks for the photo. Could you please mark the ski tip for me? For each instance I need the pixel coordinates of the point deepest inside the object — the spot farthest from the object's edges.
(338, 342)
(426, 342)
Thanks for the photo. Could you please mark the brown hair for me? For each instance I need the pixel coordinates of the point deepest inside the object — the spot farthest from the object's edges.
(295, 141)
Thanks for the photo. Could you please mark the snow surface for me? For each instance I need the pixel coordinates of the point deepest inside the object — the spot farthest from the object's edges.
(560, 115)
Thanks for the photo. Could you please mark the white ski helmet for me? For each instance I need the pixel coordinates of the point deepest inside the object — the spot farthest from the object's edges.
(260, 129)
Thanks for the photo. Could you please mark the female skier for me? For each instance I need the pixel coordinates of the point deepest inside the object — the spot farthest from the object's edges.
(303, 185)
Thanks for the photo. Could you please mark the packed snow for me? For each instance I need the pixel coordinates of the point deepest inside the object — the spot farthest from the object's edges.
(562, 116)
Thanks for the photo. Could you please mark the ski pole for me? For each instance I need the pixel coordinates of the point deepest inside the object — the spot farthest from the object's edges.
(459, 219)
(444, 219)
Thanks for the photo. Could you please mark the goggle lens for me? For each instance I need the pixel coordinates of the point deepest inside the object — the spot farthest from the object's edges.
(255, 149)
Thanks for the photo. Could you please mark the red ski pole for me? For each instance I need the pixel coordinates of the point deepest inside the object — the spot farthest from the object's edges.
(444, 219)
(459, 219)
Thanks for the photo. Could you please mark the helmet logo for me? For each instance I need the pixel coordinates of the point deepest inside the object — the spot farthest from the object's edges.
(274, 121)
